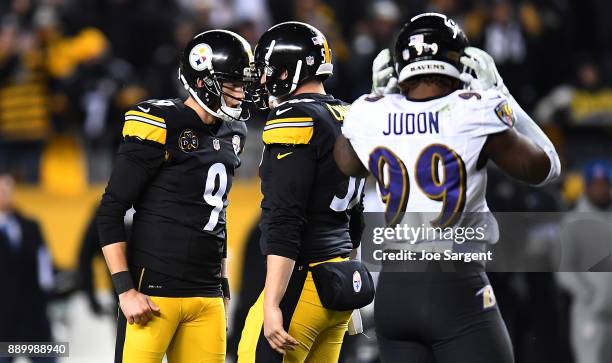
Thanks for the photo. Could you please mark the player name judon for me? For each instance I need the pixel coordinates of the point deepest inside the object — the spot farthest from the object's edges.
(411, 123)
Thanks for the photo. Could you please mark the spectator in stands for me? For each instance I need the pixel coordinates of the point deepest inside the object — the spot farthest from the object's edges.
(508, 37)
(320, 15)
(586, 247)
(25, 121)
(26, 275)
(588, 101)
(371, 35)
(33, 54)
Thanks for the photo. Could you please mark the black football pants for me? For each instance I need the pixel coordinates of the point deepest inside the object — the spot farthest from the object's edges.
(439, 317)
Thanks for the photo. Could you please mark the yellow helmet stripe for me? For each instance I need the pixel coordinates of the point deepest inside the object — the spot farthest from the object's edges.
(327, 53)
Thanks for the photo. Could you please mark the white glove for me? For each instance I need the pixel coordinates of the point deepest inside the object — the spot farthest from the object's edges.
(483, 65)
(487, 77)
(383, 75)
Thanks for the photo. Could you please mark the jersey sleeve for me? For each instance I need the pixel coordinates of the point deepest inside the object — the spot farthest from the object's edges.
(145, 122)
(288, 125)
(355, 127)
(491, 112)
(287, 173)
(139, 157)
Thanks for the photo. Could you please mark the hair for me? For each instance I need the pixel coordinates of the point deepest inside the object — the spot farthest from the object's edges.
(439, 80)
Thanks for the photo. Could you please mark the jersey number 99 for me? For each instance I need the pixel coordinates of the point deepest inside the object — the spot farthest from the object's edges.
(440, 174)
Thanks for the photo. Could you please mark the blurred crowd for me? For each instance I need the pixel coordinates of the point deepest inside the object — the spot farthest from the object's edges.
(70, 68)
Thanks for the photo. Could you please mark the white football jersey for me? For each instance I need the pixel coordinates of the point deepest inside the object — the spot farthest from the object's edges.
(424, 154)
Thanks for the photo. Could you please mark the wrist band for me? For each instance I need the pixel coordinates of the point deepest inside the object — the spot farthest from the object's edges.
(225, 289)
(122, 281)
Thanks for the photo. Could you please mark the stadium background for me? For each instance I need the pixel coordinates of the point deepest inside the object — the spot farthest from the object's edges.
(70, 68)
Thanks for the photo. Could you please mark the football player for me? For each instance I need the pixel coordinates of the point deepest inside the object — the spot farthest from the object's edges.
(428, 147)
(175, 166)
(310, 210)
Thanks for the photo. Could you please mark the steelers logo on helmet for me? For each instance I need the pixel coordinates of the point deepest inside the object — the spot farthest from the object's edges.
(200, 57)
(210, 59)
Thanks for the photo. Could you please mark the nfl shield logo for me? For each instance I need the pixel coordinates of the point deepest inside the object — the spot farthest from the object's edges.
(216, 144)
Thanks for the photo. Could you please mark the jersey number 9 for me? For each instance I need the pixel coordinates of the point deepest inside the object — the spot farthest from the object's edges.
(212, 197)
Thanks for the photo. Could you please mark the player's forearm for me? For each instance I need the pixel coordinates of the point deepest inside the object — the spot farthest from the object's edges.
(116, 257)
(528, 127)
(116, 260)
(347, 160)
(278, 273)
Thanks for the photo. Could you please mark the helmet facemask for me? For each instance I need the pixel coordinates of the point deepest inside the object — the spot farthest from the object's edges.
(208, 93)
(281, 81)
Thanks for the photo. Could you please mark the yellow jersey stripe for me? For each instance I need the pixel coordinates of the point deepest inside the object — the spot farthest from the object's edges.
(288, 135)
(144, 114)
(144, 131)
(145, 120)
(288, 119)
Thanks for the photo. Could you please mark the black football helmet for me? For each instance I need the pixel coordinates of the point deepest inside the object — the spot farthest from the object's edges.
(429, 43)
(211, 58)
(298, 48)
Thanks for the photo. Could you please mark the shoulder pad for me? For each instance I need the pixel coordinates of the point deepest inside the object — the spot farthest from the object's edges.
(146, 121)
(484, 112)
(496, 104)
(288, 124)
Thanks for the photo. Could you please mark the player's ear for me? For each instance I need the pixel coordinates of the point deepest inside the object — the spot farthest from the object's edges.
(283, 76)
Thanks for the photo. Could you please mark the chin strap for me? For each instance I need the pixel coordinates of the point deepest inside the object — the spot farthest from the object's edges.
(229, 113)
(224, 112)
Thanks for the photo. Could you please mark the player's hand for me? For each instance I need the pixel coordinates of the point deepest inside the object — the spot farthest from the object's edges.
(483, 66)
(383, 75)
(274, 332)
(137, 307)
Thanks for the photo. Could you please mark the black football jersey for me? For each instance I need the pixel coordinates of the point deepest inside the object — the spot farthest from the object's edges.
(179, 226)
(307, 202)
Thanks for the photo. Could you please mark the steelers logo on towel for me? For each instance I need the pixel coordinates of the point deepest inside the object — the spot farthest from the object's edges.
(505, 113)
(188, 141)
(357, 281)
(200, 57)
(236, 143)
